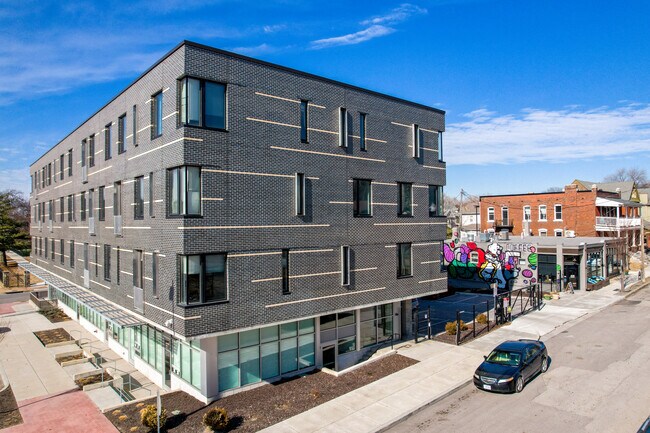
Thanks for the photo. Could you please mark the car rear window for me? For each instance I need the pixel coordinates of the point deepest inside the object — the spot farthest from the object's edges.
(504, 357)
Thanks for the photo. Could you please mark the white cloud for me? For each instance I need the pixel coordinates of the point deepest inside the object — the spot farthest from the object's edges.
(274, 28)
(16, 178)
(257, 49)
(536, 135)
(353, 38)
(397, 15)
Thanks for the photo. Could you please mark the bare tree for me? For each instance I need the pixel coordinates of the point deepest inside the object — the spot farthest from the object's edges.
(636, 174)
(554, 189)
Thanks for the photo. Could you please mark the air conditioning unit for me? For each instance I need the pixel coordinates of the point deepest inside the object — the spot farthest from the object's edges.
(91, 225)
(569, 233)
(117, 225)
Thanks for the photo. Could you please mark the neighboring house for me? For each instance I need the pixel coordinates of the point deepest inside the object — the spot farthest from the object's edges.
(469, 227)
(644, 199)
(225, 222)
(572, 212)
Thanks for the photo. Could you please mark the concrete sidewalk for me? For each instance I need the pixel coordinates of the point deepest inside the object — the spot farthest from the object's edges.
(442, 369)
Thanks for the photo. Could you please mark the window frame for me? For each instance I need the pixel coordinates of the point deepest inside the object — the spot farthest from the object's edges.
(416, 141)
(490, 210)
(555, 212)
(400, 271)
(362, 131)
(343, 127)
(108, 148)
(91, 151)
(304, 121)
(182, 299)
(299, 194)
(284, 270)
(543, 232)
(184, 114)
(101, 202)
(157, 115)
(402, 210)
(345, 265)
(107, 262)
(558, 233)
(183, 213)
(539, 212)
(529, 214)
(505, 211)
(121, 134)
(70, 161)
(355, 198)
(138, 205)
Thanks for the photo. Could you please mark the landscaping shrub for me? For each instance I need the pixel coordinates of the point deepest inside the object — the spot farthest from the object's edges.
(450, 327)
(148, 416)
(481, 318)
(216, 419)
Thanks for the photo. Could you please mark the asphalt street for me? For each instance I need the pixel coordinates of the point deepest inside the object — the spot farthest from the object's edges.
(598, 381)
(14, 297)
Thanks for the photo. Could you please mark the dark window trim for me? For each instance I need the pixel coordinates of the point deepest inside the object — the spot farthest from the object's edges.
(362, 131)
(284, 266)
(202, 91)
(155, 115)
(399, 260)
(138, 215)
(181, 283)
(121, 134)
(400, 208)
(304, 126)
(171, 215)
(108, 138)
(355, 198)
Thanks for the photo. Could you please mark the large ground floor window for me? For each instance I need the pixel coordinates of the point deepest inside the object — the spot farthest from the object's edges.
(148, 346)
(186, 362)
(259, 354)
(376, 324)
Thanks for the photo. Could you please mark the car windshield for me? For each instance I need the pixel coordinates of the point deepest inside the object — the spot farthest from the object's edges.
(504, 357)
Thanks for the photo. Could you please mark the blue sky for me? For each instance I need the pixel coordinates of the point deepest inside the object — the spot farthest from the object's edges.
(537, 93)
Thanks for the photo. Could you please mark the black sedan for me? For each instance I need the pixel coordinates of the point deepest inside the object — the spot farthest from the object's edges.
(510, 365)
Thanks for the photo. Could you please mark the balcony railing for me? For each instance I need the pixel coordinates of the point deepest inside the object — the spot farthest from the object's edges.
(506, 222)
(609, 223)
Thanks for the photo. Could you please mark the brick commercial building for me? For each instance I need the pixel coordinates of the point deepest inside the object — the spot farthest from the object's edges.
(598, 211)
(224, 222)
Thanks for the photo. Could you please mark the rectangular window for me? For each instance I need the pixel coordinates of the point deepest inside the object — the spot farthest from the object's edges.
(138, 197)
(91, 208)
(61, 208)
(416, 141)
(405, 199)
(62, 251)
(362, 131)
(138, 278)
(49, 173)
(203, 103)
(435, 201)
(343, 127)
(204, 278)
(345, 265)
(52, 249)
(117, 265)
(117, 198)
(154, 274)
(404, 261)
(83, 206)
(150, 194)
(284, 263)
(304, 121)
(504, 215)
(490, 214)
(558, 212)
(50, 210)
(102, 204)
(362, 196)
(134, 121)
(526, 213)
(299, 193)
(61, 166)
(54, 174)
(542, 212)
(91, 151)
(96, 260)
(70, 162)
(543, 232)
(184, 191)
(84, 152)
(121, 134)
(156, 115)
(70, 207)
(46, 242)
(440, 147)
(108, 151)
(107, 263)
(558, 232)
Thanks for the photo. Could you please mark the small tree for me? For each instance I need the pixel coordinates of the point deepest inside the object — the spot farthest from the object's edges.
(14, 222)
(149, 418)
(216, 419)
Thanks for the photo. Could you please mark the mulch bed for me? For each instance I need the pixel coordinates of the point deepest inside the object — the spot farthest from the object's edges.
(9, 414)
(55, 315)
(95, 378)
(50, 336)
(261, 407)
(69, 358)
(466, 336)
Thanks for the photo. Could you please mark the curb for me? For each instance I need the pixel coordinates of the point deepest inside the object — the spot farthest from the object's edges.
(412, 412)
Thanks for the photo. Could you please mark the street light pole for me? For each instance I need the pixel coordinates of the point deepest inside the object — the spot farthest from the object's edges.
(476, 220)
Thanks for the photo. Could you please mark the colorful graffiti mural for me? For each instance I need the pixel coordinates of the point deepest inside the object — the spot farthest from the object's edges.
(494, 263)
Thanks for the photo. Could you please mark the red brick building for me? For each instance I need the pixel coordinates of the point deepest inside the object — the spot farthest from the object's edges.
(575, 211)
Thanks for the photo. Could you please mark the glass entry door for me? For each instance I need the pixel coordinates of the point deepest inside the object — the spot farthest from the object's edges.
(329, 356)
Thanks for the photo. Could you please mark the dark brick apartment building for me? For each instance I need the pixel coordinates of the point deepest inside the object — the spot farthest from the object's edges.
(224, 222)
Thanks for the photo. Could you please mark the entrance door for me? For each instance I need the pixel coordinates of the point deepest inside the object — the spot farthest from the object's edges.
(329, 357)
(572, 274)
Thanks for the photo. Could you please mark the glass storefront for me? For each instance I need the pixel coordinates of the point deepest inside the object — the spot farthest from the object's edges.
(148, 346)
(376, 324)
(186, 362)
(259, 354)
(594, 265)
(613, 262)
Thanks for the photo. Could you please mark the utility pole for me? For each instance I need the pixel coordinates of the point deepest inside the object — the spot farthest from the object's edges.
(460, 213)
(642, 242)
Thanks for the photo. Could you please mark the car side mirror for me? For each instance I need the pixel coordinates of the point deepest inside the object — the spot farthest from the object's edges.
(485, 357)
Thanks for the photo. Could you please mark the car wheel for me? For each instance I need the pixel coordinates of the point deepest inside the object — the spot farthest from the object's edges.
(544, 364)
(519, 384)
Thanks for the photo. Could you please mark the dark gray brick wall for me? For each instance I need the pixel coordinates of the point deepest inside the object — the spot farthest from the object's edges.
(254, 200)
